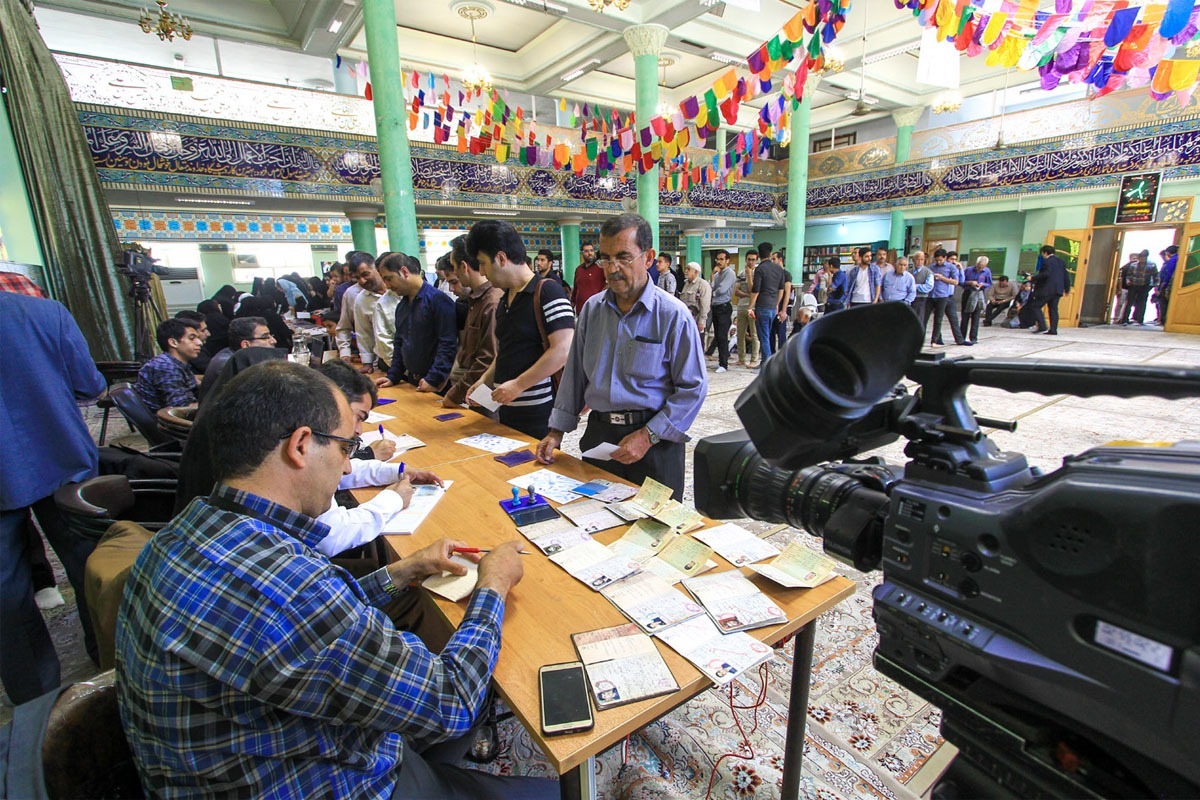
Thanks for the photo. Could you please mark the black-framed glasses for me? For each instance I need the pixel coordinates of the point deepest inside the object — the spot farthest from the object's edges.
(349, 446)
(624, 262)
(268, 337)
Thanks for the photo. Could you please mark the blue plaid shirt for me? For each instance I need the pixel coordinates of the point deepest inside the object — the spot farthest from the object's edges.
(248, 665)
(165, 382)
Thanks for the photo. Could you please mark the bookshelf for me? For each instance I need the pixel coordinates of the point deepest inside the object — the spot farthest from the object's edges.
(814, 256)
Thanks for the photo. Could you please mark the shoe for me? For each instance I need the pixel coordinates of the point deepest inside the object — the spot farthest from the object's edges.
(49, 598)
(741, 363)
(936, 344)
(967, 344)
(753, 365)
(1037, 330)
(721, 369)
(987, 324)
(1050, 333)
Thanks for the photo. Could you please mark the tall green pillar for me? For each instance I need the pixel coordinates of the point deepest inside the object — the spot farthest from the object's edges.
(362, 229)
(391, 115)
(568, 231)
(906, 119)
(694, 238)
(798, 179)
(722, 140)
(645, 42)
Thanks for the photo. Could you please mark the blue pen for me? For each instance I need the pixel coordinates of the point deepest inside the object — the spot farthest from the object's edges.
(381, 433)
(401, 469)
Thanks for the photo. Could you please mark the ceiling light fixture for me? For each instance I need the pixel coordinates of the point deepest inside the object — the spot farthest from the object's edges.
(581, 69)
(599, 5)
(495, 213)
(166, 25)
(947, 101)
(214, 201)
(762, 224)
(834, 60)
(474, 78)
(665, 60)
(884, 55)
(725, 58)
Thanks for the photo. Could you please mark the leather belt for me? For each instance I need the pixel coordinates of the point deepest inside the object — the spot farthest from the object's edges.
(627, 418)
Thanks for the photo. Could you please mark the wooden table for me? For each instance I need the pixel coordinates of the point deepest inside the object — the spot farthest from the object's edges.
(548, 605)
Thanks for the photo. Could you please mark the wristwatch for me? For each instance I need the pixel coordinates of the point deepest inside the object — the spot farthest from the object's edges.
(653, 436)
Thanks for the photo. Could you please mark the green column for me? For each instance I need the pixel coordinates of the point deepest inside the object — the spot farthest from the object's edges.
(722, 141)
(645, 42)
(694, 239)
(362, 229)
(905, 119)
(391, 115)
(568, 231)
(798, 180)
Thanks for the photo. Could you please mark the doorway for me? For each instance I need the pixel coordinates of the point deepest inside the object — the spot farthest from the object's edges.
(1103, 300)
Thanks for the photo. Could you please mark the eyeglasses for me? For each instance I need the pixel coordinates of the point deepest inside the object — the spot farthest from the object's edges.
(268, 337)
(625, 262)
(349, 446)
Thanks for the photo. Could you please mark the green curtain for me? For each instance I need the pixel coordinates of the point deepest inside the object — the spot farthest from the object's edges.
(72, 217)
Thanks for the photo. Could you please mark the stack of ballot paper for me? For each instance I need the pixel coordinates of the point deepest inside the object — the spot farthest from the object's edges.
(722, 657)
(797, 567)
(733, 602)
(623, 665)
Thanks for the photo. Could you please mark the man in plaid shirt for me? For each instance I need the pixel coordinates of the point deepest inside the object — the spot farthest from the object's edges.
(1138, 277)
(248, 665)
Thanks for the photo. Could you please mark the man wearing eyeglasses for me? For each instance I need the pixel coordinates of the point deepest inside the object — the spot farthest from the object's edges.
(243, 332)
(636, 361)
(249, 665)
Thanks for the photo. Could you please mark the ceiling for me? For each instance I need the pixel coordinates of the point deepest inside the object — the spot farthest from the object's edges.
(528, 46)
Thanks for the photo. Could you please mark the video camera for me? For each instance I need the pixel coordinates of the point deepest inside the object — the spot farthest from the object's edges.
(138, 264)
(1052, 617)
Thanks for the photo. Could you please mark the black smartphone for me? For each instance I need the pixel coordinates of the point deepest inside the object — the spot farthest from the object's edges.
(566, 704)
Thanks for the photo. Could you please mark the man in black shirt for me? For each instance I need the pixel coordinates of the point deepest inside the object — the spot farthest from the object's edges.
(534, 327)
(768, 301)
(545, 267)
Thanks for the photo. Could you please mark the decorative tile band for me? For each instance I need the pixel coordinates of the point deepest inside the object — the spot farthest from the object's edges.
(197, 226)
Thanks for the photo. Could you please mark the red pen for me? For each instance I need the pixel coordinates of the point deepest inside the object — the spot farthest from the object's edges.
(482, 550)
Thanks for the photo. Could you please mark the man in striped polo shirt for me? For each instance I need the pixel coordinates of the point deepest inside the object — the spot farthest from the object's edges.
(534, 327)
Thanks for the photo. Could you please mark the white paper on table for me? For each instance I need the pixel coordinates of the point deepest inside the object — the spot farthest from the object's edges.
(736, 544)
(404, 442)
(722, 657)
(651, 602)
(602, 451)
(454, 587)
(733, 602)
(593, 564)
(424, 498)
(329, 355)
(483, 396)
(797, 567)
(550, 485)
(376, 417)
(492, 443)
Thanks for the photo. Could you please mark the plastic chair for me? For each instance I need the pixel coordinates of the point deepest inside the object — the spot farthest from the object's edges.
(113, 372)
(136, 413)
(85, 753)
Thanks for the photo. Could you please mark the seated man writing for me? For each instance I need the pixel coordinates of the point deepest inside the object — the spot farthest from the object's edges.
(249, 666)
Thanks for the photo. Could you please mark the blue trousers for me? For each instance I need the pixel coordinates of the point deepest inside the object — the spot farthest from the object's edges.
(764, 323)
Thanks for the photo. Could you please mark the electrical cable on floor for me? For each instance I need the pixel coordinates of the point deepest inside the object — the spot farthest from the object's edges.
(746, 745)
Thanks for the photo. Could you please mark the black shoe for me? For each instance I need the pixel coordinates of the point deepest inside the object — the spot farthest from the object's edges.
(1050, 333)
(1037, 330)
(967, 344)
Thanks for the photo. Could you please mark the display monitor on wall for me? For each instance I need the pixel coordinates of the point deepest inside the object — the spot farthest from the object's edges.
(1138, 202)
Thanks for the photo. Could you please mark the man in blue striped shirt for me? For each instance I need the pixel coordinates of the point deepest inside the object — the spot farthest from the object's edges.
(248, 665)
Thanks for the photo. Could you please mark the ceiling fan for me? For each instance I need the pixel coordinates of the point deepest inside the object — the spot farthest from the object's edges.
(863, 103)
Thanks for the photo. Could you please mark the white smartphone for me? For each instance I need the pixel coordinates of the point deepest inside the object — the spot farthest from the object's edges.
(566, 701)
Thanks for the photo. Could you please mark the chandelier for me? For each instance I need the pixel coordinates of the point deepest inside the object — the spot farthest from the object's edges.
(834, 60)
(946, 101)
(599, 5)
(475, 78)
(165, 24)
(665, 109)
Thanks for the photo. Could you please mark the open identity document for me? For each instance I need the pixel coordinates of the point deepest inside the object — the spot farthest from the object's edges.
(720, 656)
(454, 587)
(736, 544)
(797, 567)
(605, 491)
(733, 602)
(677, 558)
(554, 535)
(651, 602)
(549, 485)
(594, 564)
(623, 665)
(424, 498)
(590, 515)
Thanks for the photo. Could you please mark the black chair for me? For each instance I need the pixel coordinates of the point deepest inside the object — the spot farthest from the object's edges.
(92, 506)
(176, 422)
(113, 372)
(136, 413)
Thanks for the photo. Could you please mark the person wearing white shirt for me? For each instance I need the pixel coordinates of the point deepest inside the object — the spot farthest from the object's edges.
(353, 527)
(345, 326)
(363, 312)
(385, 329)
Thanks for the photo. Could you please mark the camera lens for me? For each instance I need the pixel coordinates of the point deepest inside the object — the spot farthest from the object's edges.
(805, 498)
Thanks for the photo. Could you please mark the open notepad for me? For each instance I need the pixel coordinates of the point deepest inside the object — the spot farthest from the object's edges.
(623, 665)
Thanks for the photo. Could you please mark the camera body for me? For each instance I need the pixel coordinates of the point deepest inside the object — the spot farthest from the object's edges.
(1053, 617)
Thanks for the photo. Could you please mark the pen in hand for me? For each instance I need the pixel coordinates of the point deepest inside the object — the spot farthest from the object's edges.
(483, 550)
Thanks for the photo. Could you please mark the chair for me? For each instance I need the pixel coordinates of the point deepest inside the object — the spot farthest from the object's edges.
(176, 422)
(92, 506)
(84, 752)
(136, 413)
(113, 372)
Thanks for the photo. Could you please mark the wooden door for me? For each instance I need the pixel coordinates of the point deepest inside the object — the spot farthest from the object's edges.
(1072, 247)
(1183, 311)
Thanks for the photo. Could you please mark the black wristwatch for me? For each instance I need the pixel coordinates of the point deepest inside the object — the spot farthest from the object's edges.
(653, 436)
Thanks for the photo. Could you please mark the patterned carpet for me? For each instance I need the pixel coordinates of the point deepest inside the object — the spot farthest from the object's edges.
(866, 737)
